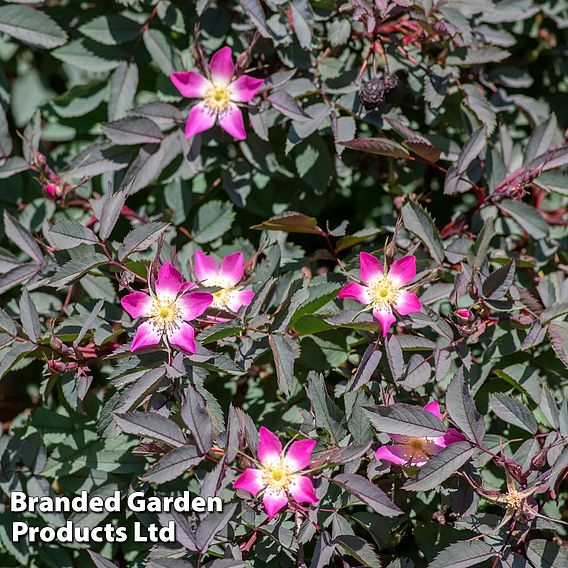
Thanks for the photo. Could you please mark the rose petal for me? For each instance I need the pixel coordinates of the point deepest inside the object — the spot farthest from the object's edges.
(407, 302)
(221, 65)
(239, 298)
(385, 318)
(354, 291)
(190, 84)
(299, 454)
(231, 121)
(233, 268)
(434, 408)
(403, 270)
(391, 454)
(205, 266)
(192, 305)
(183, 336)
(250, 480)
(274, 502)
(146, 335)
(269, 447)
(371, 267)
(452, 436)
(244, 88)
(169, 280)
(302, 490)
(137, 304)
(200, 118)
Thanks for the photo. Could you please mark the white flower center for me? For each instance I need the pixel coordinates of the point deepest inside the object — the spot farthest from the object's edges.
(383, 292)
(514, 499)
(277, 476)
(217, 97)
(165, 312)
(223, 296)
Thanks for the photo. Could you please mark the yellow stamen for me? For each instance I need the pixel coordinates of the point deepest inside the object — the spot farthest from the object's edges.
(165, 312)
(277, 477)
(514, 499)
(217, 97)
(383, 292)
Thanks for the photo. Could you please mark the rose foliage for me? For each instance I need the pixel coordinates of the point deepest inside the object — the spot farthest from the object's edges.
(306, 256)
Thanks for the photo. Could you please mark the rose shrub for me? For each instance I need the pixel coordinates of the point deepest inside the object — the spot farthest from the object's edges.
(309, 257)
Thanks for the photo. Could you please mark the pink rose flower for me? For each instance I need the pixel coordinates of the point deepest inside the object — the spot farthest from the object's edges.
(227, 277)
(219, 95)
(279, 475)
(167, 308)
(408, 450)
(382, 291)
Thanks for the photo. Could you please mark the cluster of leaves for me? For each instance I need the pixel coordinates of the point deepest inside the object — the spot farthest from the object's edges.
(461, 164)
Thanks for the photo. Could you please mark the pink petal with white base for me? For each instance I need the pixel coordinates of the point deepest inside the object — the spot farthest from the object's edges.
(221, 65)
(407, 303)
(434, 408)
(354, 291)
(194, 304)
(169, 280)
(403, 270)
(137, 304)
(250, 480)
(231, 121)
(385, 318)
(371, 267)
(182, 336)
(190, 84)
(299, 454)
(205, 266)
(385, 453)
(302, 490)
(274, 502)
(239, 298)
(269, 447)
(245, 88)
(200, 118)
(233, 268)
(146, 336)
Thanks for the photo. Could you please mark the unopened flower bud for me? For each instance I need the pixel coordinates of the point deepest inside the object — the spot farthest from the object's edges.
(57, 367)
(465, 315)
(52, 190)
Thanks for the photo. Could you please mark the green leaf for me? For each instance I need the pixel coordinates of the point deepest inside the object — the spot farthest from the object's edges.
(29, 317)
(31, 26)
(76, 268)
(438, 468)
(88, 56)
(381, 146)
(290, 222)
(123, 85)
(98, 159)
(133, 130)
(285, 351)
(546, 554)
(214, 219)
(327, 413)
(462, 410)
(419, 222)
(67, 234)
(152, 426)
(174, 464)
(463, 554)
(21, 237)
(406, 420)
(511, 411)
(527, 217)
(368, 492)
(141, 238)
(111, 29)
(162, 51)
(367, 366)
